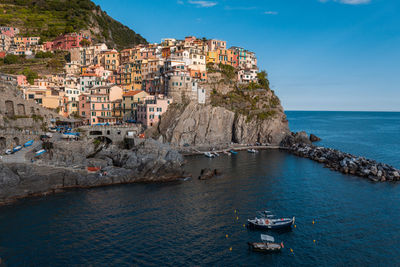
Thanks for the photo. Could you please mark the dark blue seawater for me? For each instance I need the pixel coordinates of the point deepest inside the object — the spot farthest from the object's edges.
(186, 223)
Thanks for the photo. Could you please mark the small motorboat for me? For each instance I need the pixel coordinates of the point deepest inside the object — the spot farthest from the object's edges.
(69, 135)
(266, 221)
(267, 245)
(215, 154)
(16, 149)
(9, 152)
(233, 151)
(29, 143)
(252, 150)
(227, 153)
(40, 152)
(209, 155)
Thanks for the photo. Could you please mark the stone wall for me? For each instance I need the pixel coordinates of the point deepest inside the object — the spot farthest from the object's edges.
(20, 120)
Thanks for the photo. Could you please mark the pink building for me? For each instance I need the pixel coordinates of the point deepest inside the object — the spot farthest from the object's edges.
(9, 31)
(149, 113)
(97, 106)
(19, 80)
(69, 41)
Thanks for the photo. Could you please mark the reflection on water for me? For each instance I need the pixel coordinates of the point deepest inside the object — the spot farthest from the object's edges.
(186, 223)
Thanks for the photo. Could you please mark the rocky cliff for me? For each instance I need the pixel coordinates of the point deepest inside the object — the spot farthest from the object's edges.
(233, 114)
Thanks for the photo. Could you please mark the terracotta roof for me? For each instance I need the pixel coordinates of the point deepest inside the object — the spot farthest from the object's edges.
(132, 93)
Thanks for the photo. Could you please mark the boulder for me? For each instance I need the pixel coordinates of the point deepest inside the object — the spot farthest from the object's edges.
(314, 138)
(207, 174)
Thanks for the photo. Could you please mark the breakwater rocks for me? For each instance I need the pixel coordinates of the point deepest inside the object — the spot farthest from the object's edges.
(346, 163)
(66, 166)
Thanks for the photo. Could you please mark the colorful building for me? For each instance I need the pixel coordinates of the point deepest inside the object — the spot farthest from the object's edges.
(97, 106)
(150, 112)
(130, 101)
(69, 41)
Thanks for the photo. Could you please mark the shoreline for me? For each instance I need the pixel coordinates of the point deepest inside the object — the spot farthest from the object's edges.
(36, 179)
(197, 152)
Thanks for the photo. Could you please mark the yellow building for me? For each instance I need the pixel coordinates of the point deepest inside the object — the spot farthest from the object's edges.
(46, 97)
(212, 57)
(109, 60)
(130, 100)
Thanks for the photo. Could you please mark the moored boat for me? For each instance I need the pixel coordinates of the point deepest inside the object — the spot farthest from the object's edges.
(40, 152)
(252, 150)
(209, 155)
(69, 135)
(29, 143)
(8, 152)
(267, 245)
(233, 151)
(16, 149)
(266, 221)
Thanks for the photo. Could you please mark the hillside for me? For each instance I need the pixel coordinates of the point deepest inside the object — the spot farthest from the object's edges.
(50, 18)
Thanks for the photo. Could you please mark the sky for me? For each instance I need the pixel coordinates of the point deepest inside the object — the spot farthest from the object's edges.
(319, 54)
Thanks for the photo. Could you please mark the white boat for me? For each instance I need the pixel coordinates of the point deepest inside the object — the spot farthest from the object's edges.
(267, 221)
(209, 155)
(252, 150)
(216, 154)
(40, 152)
(8, 152)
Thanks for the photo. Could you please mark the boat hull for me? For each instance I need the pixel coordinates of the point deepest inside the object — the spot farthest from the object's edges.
(254, 225)
(264, 248)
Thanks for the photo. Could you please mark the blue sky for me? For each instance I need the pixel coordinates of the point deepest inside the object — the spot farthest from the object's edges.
(320, 54)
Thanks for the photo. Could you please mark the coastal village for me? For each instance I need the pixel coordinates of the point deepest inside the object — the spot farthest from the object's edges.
(103, 86)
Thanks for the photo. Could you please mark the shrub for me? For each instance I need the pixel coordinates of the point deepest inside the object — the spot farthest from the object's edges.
(41, 54)
(11, 59)
(30, 75)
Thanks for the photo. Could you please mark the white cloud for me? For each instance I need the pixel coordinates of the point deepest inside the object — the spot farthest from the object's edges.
(200, 3)
(240, 7)
(180, 2)
(271, 13)
(349, 2)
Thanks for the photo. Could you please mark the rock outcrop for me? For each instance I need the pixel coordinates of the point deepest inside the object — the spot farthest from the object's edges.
(207, 174)
(314, 138)
(65, 166)
(240, 116)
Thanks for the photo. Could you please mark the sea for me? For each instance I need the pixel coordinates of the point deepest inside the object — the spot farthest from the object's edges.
(341, 220)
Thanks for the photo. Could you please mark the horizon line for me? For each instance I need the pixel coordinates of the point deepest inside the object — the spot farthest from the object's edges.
(316, 110)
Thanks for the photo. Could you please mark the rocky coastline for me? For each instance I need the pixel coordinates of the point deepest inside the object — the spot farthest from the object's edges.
(300, 145)
(66, 167)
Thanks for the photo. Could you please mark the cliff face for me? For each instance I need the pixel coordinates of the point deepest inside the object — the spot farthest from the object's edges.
(239, 117)
(197, 124)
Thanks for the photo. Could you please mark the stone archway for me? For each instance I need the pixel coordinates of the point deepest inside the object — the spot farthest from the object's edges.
(21, 109)
(95, 133)
(10, 108)
(3, 143)
(16, 141)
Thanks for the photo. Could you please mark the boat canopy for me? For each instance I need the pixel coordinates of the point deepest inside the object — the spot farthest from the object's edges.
(267, 238)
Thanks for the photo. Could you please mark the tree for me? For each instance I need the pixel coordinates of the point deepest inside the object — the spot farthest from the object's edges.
(11, 59)
(30, 75)
(85, 43)
(262, 77)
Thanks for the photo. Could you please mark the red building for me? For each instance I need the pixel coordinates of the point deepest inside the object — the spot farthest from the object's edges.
(69, 41)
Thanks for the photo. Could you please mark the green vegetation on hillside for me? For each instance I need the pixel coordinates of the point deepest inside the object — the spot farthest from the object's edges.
(51, 18)
(43, 64)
